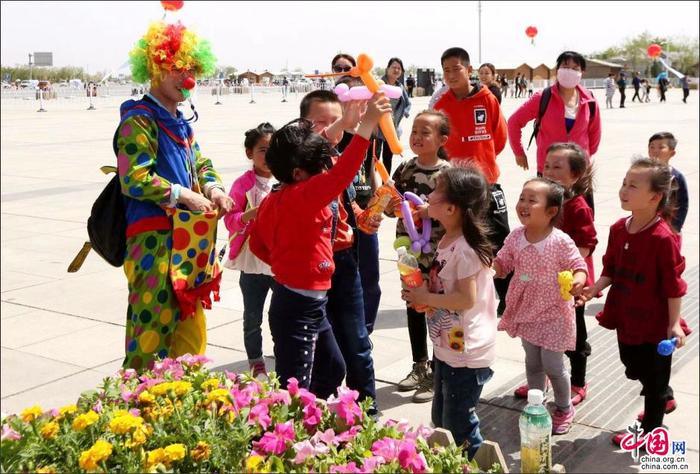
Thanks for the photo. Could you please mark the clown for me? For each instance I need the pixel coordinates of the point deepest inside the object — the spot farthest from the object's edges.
(173, 197)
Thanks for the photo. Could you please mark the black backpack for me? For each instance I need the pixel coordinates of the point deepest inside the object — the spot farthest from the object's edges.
(544, 102)
(106, 225)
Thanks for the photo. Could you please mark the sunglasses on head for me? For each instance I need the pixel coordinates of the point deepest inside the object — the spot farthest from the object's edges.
(340, 68)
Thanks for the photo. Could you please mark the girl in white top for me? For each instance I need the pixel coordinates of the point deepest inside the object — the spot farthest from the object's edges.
(463, 323)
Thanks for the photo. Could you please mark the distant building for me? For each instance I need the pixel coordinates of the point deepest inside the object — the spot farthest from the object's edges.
(599, 69)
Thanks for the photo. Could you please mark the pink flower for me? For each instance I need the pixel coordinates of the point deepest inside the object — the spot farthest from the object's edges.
(54, 412)
(232, 376)
(328, 437)
(135, 412)
(9, 434)
(241, 398)
(370, 464)
(306, 397)
(312, 416)
(127, 374)
(280, 397)
(421, 432)
(350, 467)
(410, 458)
(293, 386)
(97, 407)
(345, 406)
(261, 415)
(349, 435)
(276, 442)
(193, 360)
(303, 450)
(387, 448)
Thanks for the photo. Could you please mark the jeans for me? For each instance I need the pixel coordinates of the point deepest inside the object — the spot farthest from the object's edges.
(295, 322)
(346, 314)
(579, 356)
(456, 395)
(643, 363)
(369, 276)
(328, 372)
(254, 287)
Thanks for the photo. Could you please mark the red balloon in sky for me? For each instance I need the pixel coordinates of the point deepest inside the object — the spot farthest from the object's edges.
(531, 31)
(172, 5)
(654, 50)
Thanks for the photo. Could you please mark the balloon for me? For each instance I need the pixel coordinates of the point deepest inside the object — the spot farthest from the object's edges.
(172, 5)
(667, 346)
(363, 70)
(422, 242)
(345, 93)
(531, 32)
(654, 50)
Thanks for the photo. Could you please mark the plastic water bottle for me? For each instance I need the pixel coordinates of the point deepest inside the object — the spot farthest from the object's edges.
(411, 275)
(535, 435)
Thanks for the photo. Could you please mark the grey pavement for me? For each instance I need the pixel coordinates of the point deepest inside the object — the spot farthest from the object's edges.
(63, 333)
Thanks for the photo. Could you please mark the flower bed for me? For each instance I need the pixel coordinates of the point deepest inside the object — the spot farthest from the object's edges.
(181, 417)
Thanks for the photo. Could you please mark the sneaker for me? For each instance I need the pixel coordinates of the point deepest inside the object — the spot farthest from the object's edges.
(562, 420)
(258, 370)
(578, 394)
(413, 379)
(671, 406)
(425, 390)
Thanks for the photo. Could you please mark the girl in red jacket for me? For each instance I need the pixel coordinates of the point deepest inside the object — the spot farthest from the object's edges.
(293, 233)
(643, 267)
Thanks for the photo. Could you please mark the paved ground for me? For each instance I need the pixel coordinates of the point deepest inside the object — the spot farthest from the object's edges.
(62, 333)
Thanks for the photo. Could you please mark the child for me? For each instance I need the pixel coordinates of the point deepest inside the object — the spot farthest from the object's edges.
(478, 135)
(293, 233)
(535, 310)
(643, 267)
(255, 280)
(609, 90)
(662, 147)
(463, 326)
(417, 175)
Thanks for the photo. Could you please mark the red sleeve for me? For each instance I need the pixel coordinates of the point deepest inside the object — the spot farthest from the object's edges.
(609, 257)
(322, 188)
(583, 231)
(594, 131)
(500, 131)
(258, 233)
(670, 264)
(520, 118)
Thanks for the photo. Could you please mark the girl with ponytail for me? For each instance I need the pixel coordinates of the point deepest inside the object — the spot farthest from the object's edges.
(463, 324)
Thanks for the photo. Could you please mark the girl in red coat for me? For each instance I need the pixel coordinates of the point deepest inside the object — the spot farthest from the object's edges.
(643, 267)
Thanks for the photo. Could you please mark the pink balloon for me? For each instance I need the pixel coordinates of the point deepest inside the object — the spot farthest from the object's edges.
(392, 92)
(345, 93)
(422, 242)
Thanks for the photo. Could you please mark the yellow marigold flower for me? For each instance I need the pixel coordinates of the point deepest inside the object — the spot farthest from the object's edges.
(210, 384)
(67, 410)
(125, 423)
(201, 451)
(181, 388)
(175, 452)
(255, 463)
(220, 395)
(30, 414)
(49, 430)
(99, 452)
(46, 470)
(146, 397)
(86, 419)
(161, 389)
(155, 457)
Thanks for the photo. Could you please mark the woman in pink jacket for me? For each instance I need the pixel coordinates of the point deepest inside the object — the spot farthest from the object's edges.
(571, 115)
(255, 281)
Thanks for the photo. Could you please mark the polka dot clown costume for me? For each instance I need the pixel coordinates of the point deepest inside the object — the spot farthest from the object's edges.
(170, 262)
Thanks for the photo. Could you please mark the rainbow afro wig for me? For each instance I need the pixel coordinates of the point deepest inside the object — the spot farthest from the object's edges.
(170, 47)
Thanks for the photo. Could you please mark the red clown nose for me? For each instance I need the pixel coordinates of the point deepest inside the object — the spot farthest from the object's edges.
(189, 83)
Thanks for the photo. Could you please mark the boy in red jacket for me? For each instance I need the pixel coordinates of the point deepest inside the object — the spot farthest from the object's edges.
(478, 133)
(294, 231)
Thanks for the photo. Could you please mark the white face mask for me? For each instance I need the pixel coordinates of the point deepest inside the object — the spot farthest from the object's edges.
(568, 78)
